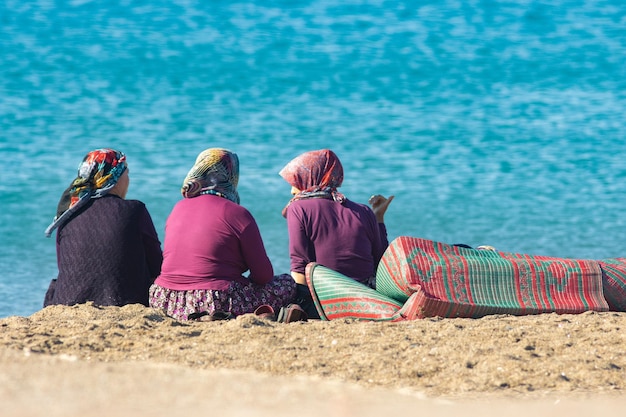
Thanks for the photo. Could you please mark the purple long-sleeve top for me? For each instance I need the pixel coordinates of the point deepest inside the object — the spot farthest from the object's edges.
(343, 237)
(109, 253)
(210, 242)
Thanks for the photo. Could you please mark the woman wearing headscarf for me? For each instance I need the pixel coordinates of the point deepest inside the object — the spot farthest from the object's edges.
(210, 242)
(108, 250)
(327, 228)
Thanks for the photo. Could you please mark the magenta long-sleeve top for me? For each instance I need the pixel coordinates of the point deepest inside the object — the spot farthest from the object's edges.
(343, 237)
(210, 242)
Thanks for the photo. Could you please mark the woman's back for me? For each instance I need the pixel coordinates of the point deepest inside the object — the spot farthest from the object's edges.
(108, 253)
(209, 242)
(343, 237)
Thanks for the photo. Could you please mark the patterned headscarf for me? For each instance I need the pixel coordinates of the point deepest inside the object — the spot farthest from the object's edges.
(216, 172)
(98, 173)
(317, 174)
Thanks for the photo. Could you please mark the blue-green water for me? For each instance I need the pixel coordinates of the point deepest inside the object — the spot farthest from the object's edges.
(493, 122)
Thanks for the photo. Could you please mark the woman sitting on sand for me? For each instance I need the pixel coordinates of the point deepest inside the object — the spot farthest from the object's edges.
(210, 241)
(108, 250)
(327, 228)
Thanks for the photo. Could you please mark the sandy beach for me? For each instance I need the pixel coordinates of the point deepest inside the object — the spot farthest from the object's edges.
(134, 360)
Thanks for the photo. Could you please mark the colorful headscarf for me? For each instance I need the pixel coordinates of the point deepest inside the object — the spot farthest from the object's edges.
(317, 174)
(98, 173)
(216, 172)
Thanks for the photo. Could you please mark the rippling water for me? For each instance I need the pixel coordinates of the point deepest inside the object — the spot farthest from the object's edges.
(493, 122)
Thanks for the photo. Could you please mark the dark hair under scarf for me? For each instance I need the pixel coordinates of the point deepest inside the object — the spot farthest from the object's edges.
(317, 174)
(98, 173)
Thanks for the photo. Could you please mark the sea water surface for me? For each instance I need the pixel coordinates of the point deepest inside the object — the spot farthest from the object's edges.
(492, 122)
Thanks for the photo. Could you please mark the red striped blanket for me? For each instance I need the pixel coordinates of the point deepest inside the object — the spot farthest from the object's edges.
(437, 279)
(419, 278)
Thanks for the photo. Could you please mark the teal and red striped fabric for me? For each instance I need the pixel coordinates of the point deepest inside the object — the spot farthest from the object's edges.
(337, 296)
(614, 282)
(462, 282)
(419, 278)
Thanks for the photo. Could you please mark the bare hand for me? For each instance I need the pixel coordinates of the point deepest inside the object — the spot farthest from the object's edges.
(379, 206)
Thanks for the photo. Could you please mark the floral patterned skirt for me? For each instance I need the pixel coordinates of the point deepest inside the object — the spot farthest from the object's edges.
(238, 299)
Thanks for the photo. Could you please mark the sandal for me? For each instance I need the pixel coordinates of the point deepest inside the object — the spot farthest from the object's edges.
(220, 315)
(205, 316)
(291, 313)
(265, 312)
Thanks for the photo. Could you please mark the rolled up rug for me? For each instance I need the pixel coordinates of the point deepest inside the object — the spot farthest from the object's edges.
(420, 278)
(614, 282)
(436, 279)
(337, 296)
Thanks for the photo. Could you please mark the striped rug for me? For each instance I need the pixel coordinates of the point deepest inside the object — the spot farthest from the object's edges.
(420, 278)
(614, 282)
(339, 297)
(452, 281)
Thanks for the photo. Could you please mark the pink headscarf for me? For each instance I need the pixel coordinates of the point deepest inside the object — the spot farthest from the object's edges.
(317, 174)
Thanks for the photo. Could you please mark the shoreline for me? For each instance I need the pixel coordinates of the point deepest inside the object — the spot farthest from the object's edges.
(547, 360)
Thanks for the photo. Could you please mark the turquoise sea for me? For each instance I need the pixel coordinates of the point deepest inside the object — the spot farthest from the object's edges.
(492, 122)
